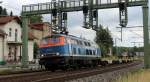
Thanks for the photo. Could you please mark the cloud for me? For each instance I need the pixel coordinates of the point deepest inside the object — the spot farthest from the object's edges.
(81, 32)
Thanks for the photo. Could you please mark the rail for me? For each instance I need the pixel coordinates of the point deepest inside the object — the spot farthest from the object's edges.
(61, 76)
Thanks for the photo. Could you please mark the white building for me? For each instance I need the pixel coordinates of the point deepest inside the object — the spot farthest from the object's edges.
(11, 40)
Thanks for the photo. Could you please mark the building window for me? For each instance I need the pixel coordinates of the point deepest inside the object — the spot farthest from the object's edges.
(10, 32)
(16, 34)
(9, 54)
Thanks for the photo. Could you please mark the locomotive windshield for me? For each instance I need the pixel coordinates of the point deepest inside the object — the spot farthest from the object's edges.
(52, 41)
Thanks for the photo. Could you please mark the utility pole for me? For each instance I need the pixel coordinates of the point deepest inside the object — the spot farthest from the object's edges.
(117, 49)
(146, 36)
(24, 58)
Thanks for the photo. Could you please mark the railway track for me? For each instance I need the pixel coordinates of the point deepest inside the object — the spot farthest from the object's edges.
(61, 76)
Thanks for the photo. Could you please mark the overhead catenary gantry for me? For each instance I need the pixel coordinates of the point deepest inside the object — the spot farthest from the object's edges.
(59, 9)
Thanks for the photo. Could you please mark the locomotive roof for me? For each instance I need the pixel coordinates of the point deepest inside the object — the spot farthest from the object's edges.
(70, 36)
(73, 37)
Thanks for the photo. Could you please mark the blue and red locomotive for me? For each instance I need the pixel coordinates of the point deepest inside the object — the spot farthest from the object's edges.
(65, 51)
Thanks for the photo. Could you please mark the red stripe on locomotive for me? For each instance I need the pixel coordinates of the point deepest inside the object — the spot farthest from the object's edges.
(59, 41)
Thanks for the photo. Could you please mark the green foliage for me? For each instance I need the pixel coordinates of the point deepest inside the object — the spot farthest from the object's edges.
(11, 13)
(104, 39)
(36, 47)
(130, 50)
(36, 18)
(3, 11)
(138, 49)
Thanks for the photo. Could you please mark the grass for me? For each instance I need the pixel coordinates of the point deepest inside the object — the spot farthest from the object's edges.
(138, 76)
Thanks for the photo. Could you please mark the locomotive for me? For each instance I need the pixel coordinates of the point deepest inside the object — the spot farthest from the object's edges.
(60, 51)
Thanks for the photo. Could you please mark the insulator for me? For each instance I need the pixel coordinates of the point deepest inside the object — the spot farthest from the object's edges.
(64, 16)
(54, 12)
(85, 9)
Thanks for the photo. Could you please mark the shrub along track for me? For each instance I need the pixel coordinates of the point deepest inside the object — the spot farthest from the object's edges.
(61, 76)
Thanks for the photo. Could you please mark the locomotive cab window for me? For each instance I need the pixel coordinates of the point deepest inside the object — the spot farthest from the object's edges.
(81, 43)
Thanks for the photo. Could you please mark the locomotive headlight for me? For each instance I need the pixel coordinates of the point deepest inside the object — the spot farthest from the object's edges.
(42, 55)
(57, 54)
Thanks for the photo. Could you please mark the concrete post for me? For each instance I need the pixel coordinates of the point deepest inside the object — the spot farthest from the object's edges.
(146, 37)
(24, 58)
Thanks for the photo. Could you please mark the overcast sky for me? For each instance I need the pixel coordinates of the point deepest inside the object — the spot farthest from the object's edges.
(108, 18)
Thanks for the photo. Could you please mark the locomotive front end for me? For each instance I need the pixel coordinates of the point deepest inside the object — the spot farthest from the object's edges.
(52, 51)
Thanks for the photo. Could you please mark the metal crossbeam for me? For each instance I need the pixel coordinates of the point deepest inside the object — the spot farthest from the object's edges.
(70, 6)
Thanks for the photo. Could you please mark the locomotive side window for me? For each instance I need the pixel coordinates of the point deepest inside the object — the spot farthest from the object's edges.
(90, 52)
(85, 43)
(73, 41)
(78, 43)
(74, 50)
(79, 51)
(81, 43)
(89, 44)
(94, 52)
(87, 52)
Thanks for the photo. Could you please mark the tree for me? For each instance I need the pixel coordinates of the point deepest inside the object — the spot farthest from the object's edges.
(1, 9)
(5, 12)
(36, 47)
(104, 39)
(11, 13)
(36, 18)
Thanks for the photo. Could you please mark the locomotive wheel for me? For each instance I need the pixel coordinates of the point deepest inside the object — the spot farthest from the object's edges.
(75, 66)
(50, 68)
(64, 68)
(104, 63)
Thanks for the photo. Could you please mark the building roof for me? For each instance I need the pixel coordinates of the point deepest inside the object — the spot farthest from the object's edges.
(37, 26)
(31, 36)
(2, 33)
(6, 19)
